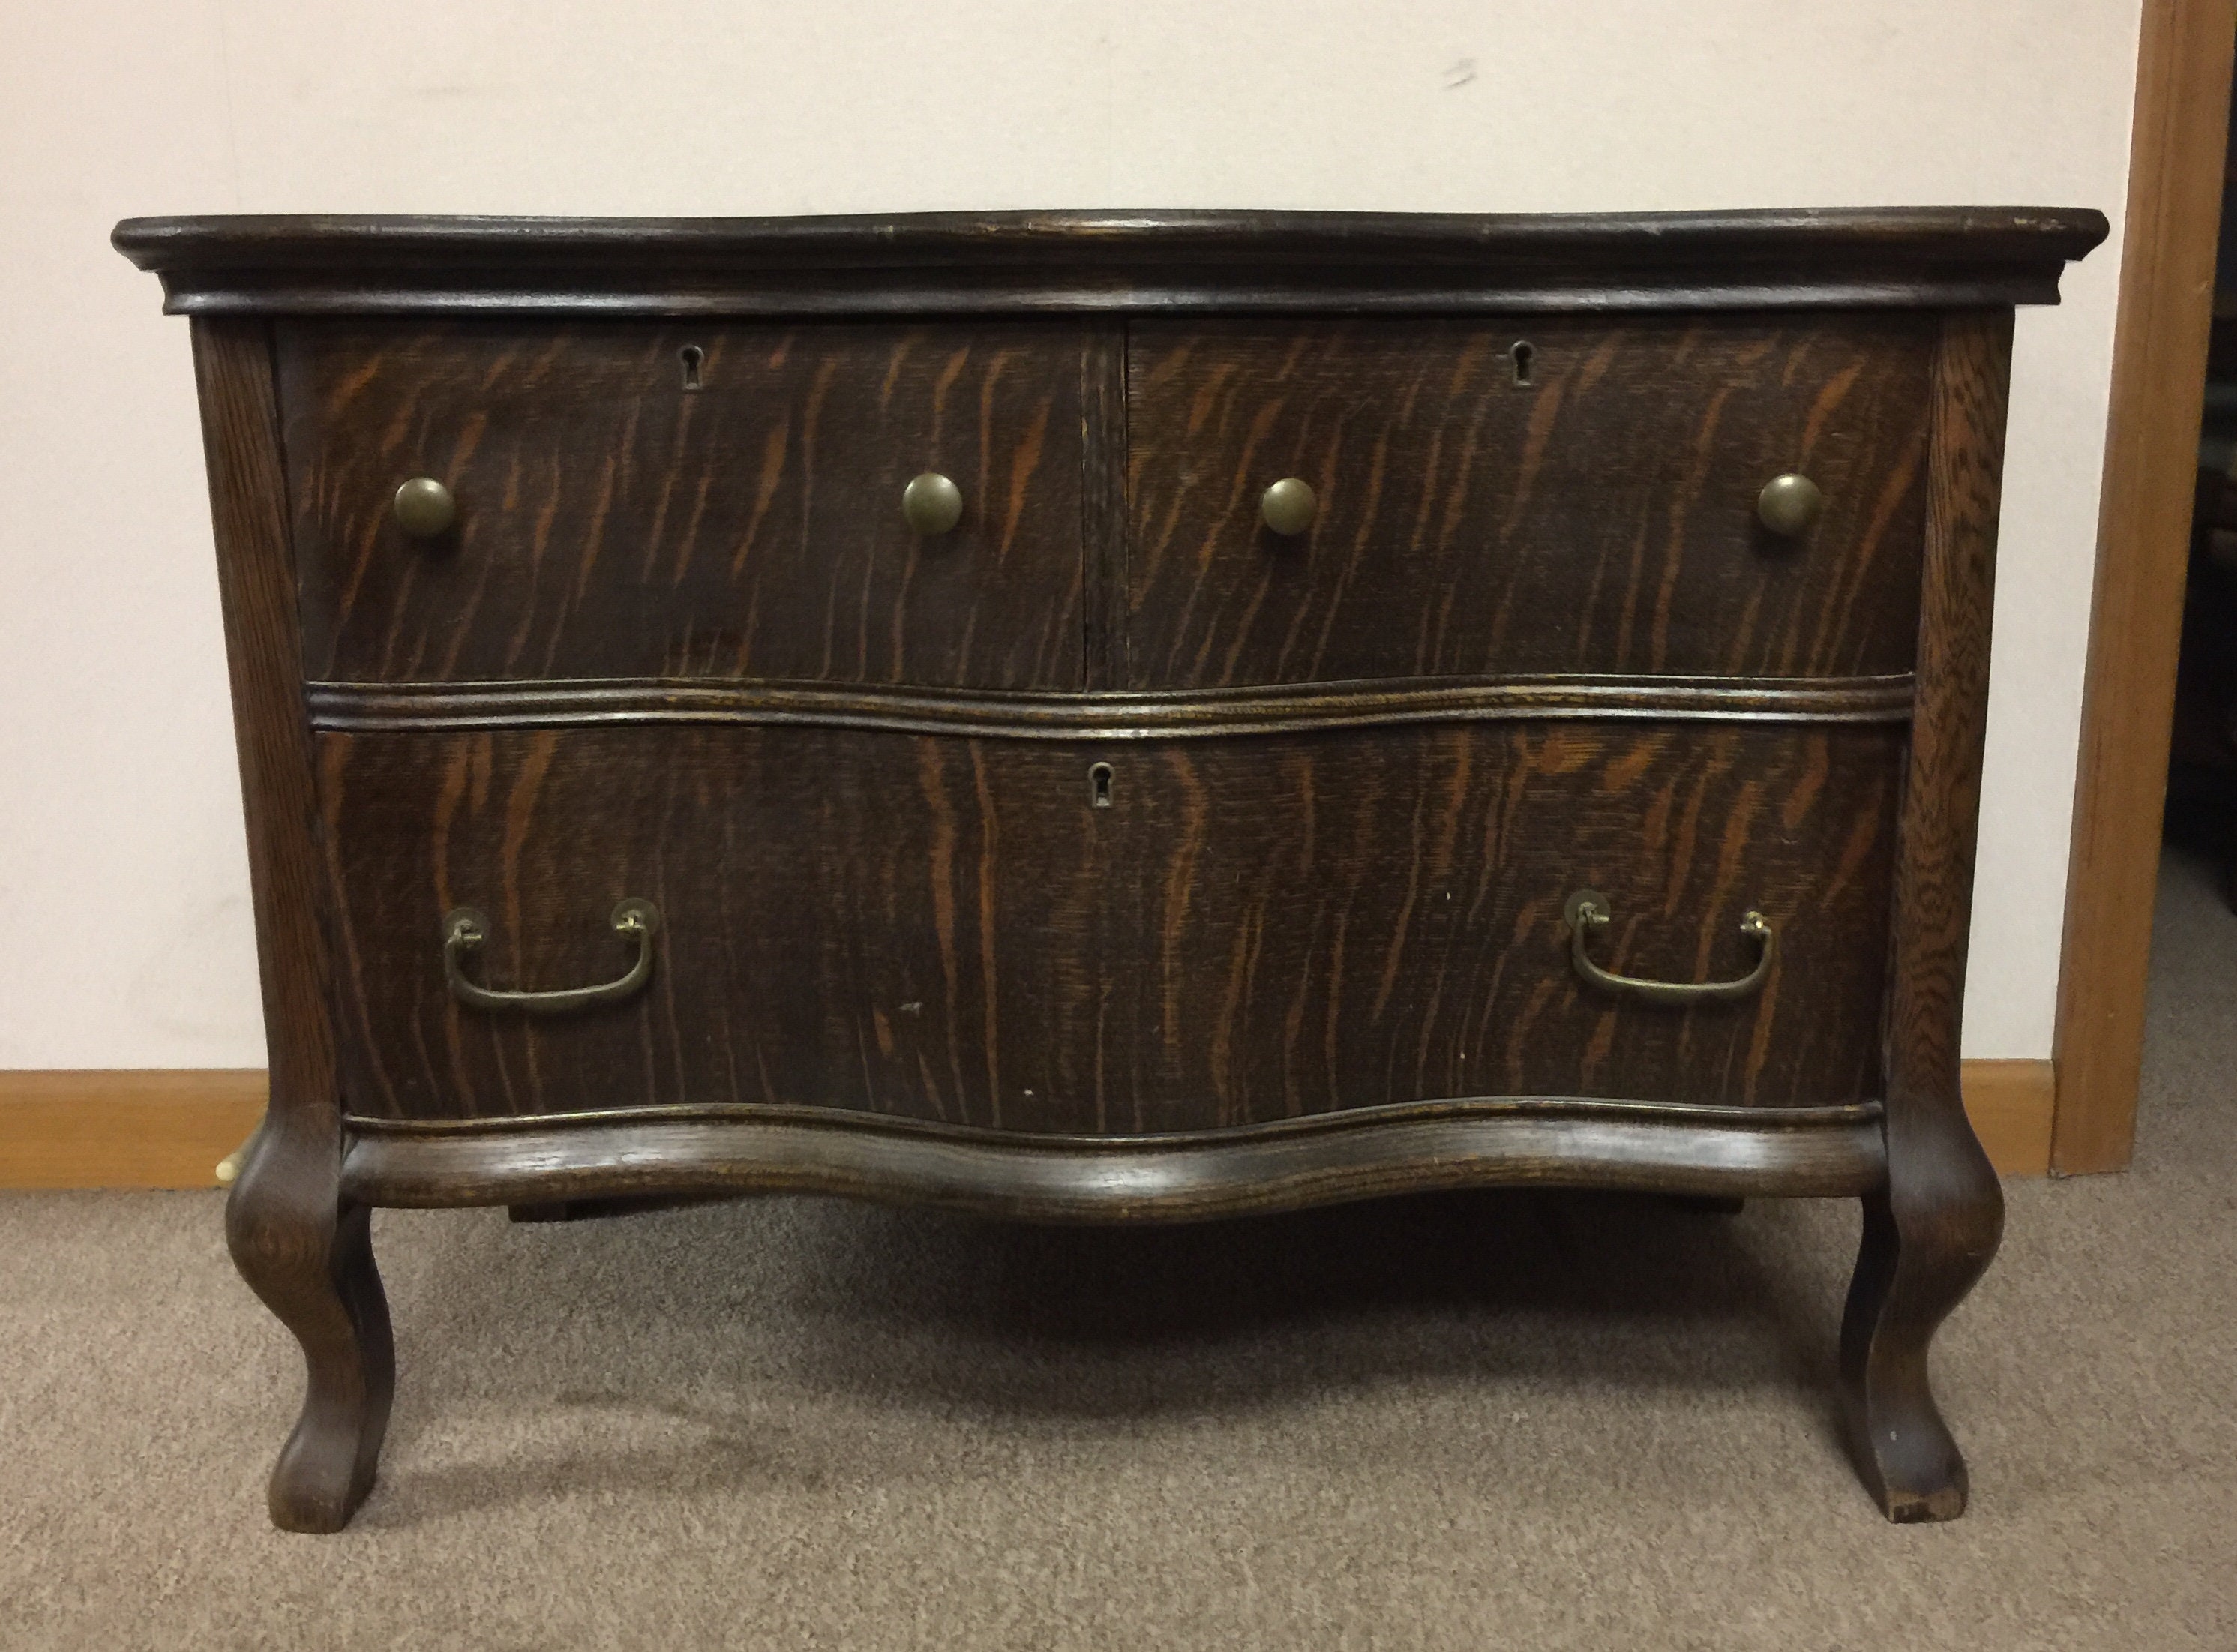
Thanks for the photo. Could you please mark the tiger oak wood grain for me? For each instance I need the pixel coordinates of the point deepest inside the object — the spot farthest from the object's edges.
(1253, 928)
(1336, 921)
(1303, 941)
(303, 1247)
(612, 523)
(1932, 1231)
(1104, 500)
(1600, 517)
(888, 923)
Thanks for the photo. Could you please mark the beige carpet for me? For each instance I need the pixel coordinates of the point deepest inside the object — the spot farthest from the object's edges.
(1484, 1421)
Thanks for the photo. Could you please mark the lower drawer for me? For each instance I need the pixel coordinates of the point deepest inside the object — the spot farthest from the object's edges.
(1105, 937)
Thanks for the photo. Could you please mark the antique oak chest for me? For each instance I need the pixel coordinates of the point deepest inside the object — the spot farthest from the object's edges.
(1109, 717)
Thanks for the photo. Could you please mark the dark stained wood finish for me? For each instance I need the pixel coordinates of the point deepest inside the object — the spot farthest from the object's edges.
(612, 523)
(1143, 263)
(1344, 1156)
(368, 707)
(883, 922)
(303, 1247)
(1600, 517)
(1930, 1231)
(1339, 921)
(1103, 489)
(1253, 930)
(1309, 946)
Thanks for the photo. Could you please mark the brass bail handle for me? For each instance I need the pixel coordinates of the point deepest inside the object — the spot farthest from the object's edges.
(1588, 909)
(466, 929)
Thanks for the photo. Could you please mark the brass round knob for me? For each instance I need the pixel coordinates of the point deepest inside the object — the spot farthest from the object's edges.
(931, 503)
(1287, 507)
(1789, 504)
(425, 508)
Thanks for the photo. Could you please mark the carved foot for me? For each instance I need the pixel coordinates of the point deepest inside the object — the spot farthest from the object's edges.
(1922, 1252)
(310, 1259)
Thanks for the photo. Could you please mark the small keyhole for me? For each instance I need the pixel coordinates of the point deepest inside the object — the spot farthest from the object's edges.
(1098, 784)
(1521, 352)
(691, 356)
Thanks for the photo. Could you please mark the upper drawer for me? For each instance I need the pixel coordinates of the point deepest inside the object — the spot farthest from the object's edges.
(1556, 494)
(677, 500)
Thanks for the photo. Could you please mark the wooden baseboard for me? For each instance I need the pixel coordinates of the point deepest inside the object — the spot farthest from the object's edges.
(2010, 1104)
(140, 1128)
(168, 1126)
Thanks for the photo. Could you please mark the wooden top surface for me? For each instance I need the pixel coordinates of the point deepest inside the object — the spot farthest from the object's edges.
(1115, 261)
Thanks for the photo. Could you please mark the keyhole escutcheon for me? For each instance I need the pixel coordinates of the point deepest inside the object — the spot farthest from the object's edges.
(1098, 785)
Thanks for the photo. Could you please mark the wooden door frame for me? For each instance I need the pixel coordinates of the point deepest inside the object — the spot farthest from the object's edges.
(2143, 537)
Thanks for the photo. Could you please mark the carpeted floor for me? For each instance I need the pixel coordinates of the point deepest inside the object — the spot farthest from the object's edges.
(1487, 1421)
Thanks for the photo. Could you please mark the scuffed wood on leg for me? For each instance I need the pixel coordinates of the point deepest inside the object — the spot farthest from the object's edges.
(302, 1250)
(1932, 1233)
(309, 1257)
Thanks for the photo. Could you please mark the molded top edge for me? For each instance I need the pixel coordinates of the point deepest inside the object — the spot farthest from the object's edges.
(1112, 262)
(2042, 237)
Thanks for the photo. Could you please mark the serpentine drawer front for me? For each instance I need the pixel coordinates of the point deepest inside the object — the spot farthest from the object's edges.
(1242, 931)
(1109, 717)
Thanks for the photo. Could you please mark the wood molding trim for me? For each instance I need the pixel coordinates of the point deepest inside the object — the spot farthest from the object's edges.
(168, 1126)
(1280, 708)
(1185, 1176)
(1105, 262)
(142, 1127)
(2010, 1104)
(2159, 369)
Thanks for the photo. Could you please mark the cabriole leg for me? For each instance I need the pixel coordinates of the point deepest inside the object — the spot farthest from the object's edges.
(1930, 1231)
(1923, 1250)
(309, 1256)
